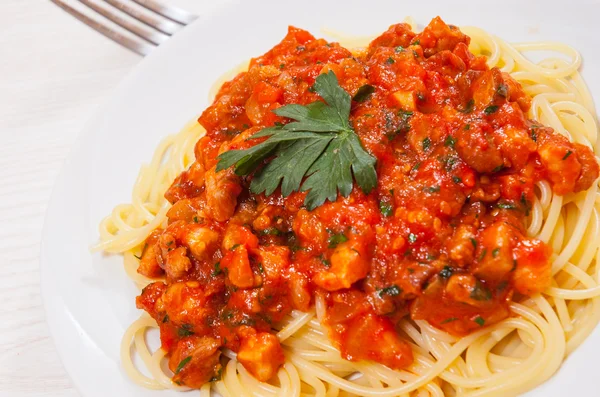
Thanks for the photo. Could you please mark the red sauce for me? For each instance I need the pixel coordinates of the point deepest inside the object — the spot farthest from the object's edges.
(442, 238)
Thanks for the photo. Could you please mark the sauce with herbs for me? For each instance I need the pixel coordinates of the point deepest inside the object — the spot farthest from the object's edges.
(441, 238)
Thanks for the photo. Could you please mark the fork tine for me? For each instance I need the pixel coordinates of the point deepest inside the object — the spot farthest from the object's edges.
(150, 35)
(164, 25)
(139, 47)
(175, 13)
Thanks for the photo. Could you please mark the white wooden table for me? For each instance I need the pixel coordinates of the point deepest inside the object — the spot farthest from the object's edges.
(54, 72)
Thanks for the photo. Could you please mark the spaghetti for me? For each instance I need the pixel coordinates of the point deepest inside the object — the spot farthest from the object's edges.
(506, 358)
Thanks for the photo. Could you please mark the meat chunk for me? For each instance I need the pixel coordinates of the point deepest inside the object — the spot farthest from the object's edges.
(397, 35)
(200, 240)
(147, 300)
(195, 360)
(185, 304)
(516, 92)
(478, 150)
(371, 337)
(465, 288)
(188, 184)
(556, 155)
(149, 265)
(238, 235)
(437, 36)
(348, 265)
(261, 354)
(495, 246)
(488, 88)
(238, 267)
(589, 167)
(222, 190)
(461, 245)
(309, 230)
(533, 272)
(176, 262)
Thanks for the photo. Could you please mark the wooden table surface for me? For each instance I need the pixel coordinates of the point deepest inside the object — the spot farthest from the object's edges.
(54, 72)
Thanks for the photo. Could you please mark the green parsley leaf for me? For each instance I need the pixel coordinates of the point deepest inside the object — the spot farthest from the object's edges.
(363, 93)
(182, 364)
(495, 252)
(479, 320)
(412, 238)
(456, 179)
(319, 144)
(390, 61)
(336, 239)
(567, 154)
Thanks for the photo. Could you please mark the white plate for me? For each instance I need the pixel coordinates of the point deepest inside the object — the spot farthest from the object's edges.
(89, 300)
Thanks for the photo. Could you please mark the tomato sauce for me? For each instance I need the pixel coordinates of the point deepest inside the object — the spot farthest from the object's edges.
(442, 238)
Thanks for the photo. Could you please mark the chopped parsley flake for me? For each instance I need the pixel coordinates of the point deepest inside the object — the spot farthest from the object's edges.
(449, 320)
(450, 141)
(182, 364)
(336, 239)
(432, 189)
(446, 272)
(426, 143)
(363, 93)
(385, 208)
(490, 110)
(392, 290)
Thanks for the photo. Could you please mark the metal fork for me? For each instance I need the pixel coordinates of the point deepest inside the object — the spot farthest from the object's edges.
(152, 23)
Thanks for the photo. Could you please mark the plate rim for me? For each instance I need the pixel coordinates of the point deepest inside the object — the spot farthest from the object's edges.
(50, 302)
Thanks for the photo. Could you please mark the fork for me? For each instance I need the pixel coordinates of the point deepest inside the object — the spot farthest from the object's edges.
(151, 22)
